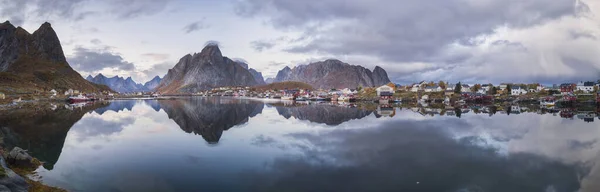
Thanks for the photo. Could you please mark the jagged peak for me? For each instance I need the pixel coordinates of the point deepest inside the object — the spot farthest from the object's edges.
(211, 50)
(22, 31)
(6, 25)
(45, 28)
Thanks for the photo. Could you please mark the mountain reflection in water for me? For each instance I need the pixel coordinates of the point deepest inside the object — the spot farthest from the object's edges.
(155, 145)
(210, 117)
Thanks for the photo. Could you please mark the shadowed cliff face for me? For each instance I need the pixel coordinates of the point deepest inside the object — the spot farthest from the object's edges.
(43, 132)
(209, 117)
(327, 114)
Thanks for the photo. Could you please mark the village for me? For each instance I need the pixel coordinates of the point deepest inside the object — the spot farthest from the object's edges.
(422, 93)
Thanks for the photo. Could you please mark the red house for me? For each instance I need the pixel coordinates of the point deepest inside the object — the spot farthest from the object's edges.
(567, 88)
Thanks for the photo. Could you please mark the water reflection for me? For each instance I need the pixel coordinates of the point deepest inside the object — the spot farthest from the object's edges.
(124, 145)
(42, 129)
(209, 117)
(326, 113)
(416, 156)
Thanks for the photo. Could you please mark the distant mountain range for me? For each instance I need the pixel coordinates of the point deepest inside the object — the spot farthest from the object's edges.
(334, 74)
(36, 63)
(123, 85)
(205, 70)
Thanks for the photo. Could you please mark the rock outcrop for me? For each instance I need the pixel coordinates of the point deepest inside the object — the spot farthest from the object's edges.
(19, 157)
(205, 70)
(36, 62)
(117, 83)
(334, 74)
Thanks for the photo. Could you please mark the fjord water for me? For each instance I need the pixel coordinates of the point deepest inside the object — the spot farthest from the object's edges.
(228, 144)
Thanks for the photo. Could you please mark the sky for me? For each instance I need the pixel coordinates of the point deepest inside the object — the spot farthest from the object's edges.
(472, 41)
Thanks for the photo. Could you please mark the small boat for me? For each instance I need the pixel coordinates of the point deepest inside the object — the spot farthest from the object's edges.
(78, 98)
(548, 101)
(301, 98)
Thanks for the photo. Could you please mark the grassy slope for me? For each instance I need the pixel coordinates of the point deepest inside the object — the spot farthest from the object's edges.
(29, 75)
(285, 85)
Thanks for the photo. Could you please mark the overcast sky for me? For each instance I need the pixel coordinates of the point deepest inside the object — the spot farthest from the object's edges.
(548, 41)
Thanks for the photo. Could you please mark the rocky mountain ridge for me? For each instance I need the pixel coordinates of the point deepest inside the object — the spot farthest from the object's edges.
(205, 70)
(35, 62)
(334, 74)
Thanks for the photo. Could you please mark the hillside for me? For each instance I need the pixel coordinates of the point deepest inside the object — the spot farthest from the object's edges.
(35, 63)
(284, 85)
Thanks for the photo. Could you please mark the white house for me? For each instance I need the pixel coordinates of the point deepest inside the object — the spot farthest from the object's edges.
(466, 88)
(517, 91)
(415, 88)
(540, 88)
(385, 91)
(586, 87)
(53, 92)
(485, 88)
(450, 87)
(430, 89)
(69, 92)
(2, 96)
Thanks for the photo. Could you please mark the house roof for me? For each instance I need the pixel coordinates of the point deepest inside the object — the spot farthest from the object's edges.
(588, 84)
(432, 87)
(566, 85)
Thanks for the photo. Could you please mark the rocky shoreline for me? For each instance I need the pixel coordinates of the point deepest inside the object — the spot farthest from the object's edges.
(16, 167)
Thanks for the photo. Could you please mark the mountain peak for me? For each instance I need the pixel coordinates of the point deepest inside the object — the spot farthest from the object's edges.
(6, 25)
(46, 25)
(212, 51)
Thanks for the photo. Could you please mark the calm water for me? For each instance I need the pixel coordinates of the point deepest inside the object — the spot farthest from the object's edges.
(225, 144)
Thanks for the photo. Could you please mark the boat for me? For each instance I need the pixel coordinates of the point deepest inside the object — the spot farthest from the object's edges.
(79, 98)
(286, 97)
(548, 101)
(301, 98)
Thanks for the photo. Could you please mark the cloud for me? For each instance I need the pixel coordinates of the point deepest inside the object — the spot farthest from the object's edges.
(18, 11)
(261, 45)
(442, 34)
(93, 60)
(195, 26)
(402, 156)
(136, 8)
(96, 41)
(156, 56)
(159, 69)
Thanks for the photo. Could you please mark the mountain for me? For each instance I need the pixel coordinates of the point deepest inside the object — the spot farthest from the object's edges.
(205, 70)
(334, 74)
(36, 63)
(257, 75)
(152, 84)
(117, 83)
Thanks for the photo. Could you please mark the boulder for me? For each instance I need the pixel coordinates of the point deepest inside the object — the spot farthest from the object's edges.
(11, 181)
(19, 157)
